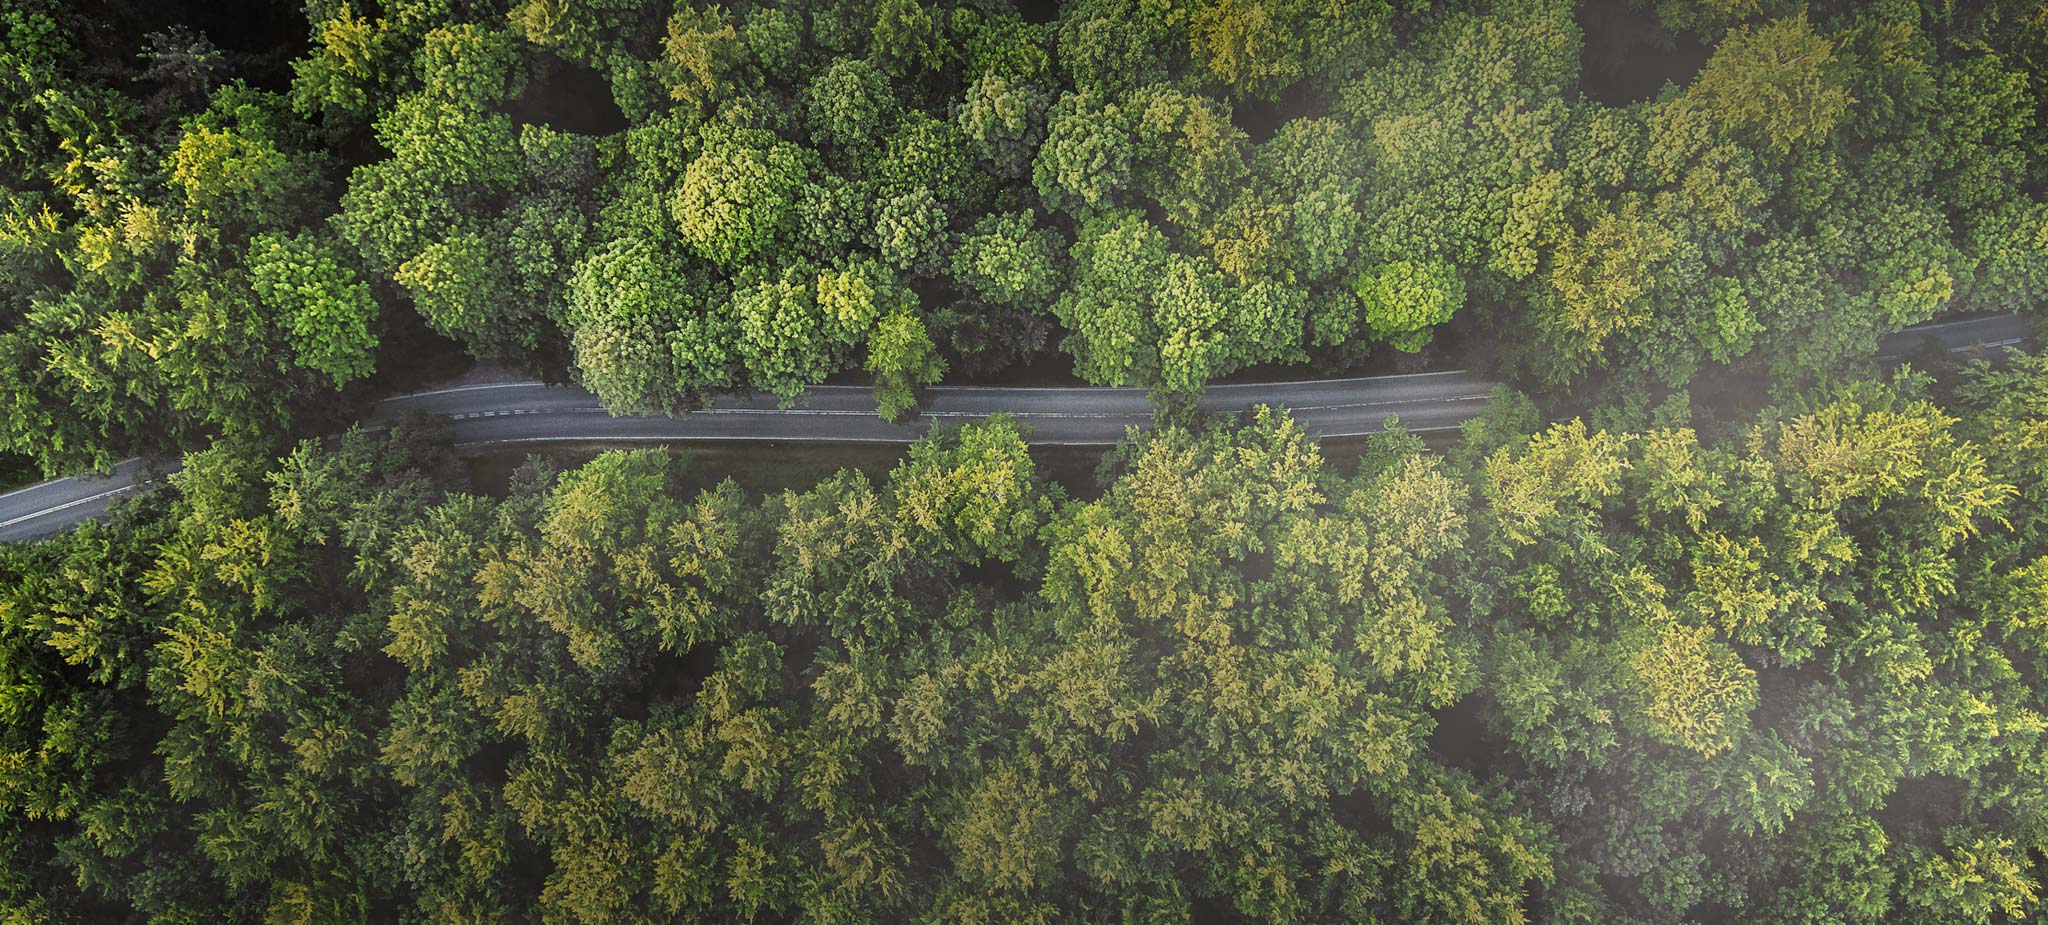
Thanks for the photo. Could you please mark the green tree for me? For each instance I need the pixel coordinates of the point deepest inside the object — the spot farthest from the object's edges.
(240, 165)
(1778, 84)
(1603, 279)
(472, 65)
(449, 165)
(1115, 46)
(329, 313)
(902, 359)
(1010, 258)
(792, 331)
(701, 50)
(1980, 878)
(1118, 261)
(1401, 301)
(1088, 157)
(1252, 46)
(1693, 691)
(644, 338)
(352, 66)
(1004, 118)
(908, 37)
(849, 105)
(738, 198)
(459, 286)
(580, 29)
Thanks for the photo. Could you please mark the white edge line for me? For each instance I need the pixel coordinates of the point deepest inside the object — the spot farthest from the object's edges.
(1214, 405)
(941, 389)
(903, 440)
(73, 503)
(530, 383)
(67, 478)
(523, 383)
(908, 437)
(43, 484)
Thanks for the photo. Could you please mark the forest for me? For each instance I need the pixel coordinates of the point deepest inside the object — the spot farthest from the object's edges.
(1710, 616)
(1781, 670)
(234, 218)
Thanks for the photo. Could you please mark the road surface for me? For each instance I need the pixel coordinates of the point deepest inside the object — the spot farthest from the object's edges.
(514, 413)
(1994, 333)
(48, 507)
(509, 413)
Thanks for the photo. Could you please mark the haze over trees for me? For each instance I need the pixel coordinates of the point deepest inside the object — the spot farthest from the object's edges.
(1630, 648)
(668, 201)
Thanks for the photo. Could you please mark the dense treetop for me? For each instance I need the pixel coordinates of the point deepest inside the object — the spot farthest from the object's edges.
(667, 200)
(1663, 661)
(1786, 670)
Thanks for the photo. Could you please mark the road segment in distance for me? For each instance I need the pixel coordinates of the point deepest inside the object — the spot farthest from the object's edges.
(514, 413)
(1991, 333)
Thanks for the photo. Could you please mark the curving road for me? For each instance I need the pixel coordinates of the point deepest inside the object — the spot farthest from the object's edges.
(512, 413)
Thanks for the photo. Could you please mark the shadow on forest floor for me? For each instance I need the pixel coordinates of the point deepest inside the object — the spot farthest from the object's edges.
(1628, 56)
(568, 97)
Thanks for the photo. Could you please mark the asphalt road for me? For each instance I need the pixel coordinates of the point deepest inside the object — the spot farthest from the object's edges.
(529, 412)
(513, 413)
(1994, 333)
(47, 507)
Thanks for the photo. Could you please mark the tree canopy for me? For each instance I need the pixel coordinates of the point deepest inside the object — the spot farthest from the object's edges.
(1784, 668)
(1710, 621)
(1161, 195)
